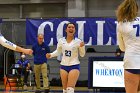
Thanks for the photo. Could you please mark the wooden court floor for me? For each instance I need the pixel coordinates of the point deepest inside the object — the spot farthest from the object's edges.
(52, 90)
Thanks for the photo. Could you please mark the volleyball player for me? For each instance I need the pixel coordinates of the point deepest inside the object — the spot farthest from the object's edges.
(70, 47)
(128, 32)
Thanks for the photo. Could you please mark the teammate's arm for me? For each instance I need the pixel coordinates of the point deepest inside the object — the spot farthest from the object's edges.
(14, 47)
(120, 38)
(26, 51)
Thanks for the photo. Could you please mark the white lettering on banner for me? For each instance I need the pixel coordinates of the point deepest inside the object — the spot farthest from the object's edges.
(59, 33)
(81, 32)
(42, 26)
(81, 29)
(41, 29)
(90, 41)
(116, 31)
(109, 41)
(100, 25)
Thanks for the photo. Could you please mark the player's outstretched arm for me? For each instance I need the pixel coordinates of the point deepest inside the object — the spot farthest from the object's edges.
(26, 51)
(57, 51)
(14, 47)
(48, 55)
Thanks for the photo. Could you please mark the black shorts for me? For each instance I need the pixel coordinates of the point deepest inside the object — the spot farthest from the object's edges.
(134, 71)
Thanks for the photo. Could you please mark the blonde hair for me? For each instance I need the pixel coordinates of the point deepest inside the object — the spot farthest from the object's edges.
(127, 11)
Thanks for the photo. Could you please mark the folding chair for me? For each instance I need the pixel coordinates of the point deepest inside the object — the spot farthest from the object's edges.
(14, 78)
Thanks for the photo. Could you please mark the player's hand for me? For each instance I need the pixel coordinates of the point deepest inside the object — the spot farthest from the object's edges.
(28, 51)
(82, 44)
(27, 68)
(48, 55)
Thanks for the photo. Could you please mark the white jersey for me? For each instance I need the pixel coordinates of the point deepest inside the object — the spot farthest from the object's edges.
(129, 41)
(6, 43)
(70, 51)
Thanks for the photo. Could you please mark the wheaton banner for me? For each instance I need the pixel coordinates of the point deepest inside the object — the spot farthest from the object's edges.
(93, 31)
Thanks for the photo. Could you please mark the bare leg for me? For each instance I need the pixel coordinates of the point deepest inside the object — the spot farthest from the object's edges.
(139, 85)
(72, 79)
(64, 78)
(131, 82)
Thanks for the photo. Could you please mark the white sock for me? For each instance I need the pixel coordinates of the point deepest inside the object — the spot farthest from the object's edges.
(70, 90)
(64, 91)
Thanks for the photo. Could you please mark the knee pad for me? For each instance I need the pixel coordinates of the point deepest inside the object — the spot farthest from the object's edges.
(64, 91)
(70, 90)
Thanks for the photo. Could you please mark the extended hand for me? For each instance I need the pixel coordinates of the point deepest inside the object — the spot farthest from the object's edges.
(82, 44)
(48, 55)
(28, 51)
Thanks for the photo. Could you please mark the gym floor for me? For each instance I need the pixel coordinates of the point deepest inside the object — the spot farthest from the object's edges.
(52, 90)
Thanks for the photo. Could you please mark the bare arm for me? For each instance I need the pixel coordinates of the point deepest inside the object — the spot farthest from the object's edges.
(26, 51)
(120, 38)
(56, 52)
(82, 49)
(14, 47)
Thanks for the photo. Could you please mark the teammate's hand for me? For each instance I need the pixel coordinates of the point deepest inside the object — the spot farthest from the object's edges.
(28, 51)
(48, 55)
(82, 44)
(27, 68)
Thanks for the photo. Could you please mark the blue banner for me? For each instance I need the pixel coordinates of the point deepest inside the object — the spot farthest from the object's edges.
(93, 31)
